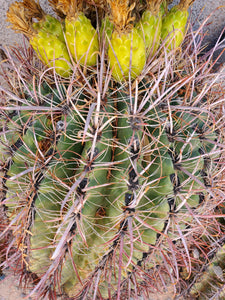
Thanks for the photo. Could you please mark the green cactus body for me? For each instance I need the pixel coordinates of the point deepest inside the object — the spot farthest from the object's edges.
(43, 230)
(50, 192)
(173, 27)
(142, 191)
(150, 27)
(40, 190)
(129, 139)
(126, 54)
(93, 225)
(11, 137)
(133, 174)
(24, 174)
(82, 40)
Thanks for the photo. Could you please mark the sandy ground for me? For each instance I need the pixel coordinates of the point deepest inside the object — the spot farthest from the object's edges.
(9, 288)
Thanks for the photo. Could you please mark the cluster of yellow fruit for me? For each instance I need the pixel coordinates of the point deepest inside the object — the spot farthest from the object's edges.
(74, 38)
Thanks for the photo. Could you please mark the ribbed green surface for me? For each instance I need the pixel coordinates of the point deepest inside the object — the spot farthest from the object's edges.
(128, 175)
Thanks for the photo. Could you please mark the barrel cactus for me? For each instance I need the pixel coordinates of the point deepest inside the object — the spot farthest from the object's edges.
(111, 174)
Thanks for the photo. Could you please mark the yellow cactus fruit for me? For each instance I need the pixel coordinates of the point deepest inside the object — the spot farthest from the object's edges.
(45, 36)
(81, 36)
(127, 49)
(150, 25)
(174, 24)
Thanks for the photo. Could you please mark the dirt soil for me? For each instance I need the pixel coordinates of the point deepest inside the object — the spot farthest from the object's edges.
(9, 287)
(10, 290)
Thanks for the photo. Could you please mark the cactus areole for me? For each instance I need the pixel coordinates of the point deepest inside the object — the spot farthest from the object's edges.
(111, 152)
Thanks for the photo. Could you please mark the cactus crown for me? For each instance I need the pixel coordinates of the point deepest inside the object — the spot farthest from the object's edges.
(22, 14)
(70, 8)
(59, 12)
(154, 6)
(33, 9)
(20, 22)
(121, 14)
(184, 4)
